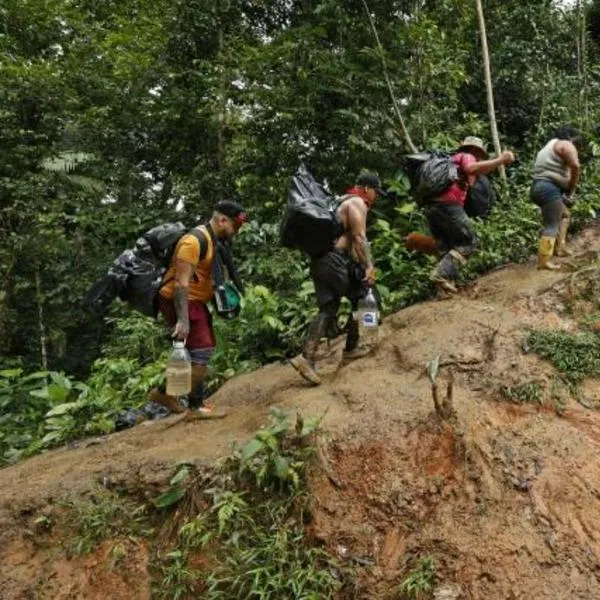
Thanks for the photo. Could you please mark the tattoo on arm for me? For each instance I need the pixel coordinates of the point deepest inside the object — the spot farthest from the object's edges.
(360, 243)
(363, 249)
(180, 300)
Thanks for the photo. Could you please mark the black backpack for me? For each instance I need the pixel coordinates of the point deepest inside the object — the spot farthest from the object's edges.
(429, 174)
(136, 275)
(310, 221)
(480, 198)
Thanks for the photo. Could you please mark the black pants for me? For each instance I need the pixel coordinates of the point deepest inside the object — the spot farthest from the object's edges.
(335, 276)
(452, 230)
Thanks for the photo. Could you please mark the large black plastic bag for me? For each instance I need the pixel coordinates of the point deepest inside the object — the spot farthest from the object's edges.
(310, 222)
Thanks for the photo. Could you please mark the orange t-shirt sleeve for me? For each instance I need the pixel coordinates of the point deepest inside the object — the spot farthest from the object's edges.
(189, 250)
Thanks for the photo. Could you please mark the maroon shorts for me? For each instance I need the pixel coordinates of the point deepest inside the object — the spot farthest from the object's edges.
(201, 338)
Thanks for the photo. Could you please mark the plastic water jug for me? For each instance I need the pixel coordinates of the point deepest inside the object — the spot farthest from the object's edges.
(179, 371)
(368, 318)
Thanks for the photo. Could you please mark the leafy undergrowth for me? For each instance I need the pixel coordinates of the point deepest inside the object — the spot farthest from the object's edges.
(575, 355)
(238, 530)
(42, 410)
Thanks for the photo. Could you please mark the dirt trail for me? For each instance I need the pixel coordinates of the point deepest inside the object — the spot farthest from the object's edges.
(506, 497)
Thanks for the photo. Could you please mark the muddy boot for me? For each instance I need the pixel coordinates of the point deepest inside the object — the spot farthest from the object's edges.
(447, 270)
(196, 398)
(305, 363)
(164, 399)
(545, 250)
(442, 284)
(305, 368)
(560, 247)
(358, 352)
(353, 349)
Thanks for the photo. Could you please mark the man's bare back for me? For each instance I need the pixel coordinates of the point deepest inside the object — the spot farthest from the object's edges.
(351, 210)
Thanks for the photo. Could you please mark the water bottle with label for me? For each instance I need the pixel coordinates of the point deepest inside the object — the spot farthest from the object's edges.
(368, 318)
(179, 371)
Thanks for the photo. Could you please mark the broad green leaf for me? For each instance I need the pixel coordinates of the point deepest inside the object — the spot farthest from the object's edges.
(273, 322)
(406, 209)
(60, 380)
(171, 496)
(11, 373)
(36, 375)
(282, 467)
(311, 424)
(57, 393)
(433, 367)
(180, 476)
(52, 436)
(61, 409)
(251, 448)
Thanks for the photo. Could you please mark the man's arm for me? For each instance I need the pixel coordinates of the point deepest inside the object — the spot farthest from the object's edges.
(183, 274)
(484, 167)
(357, 224)
(568, 153)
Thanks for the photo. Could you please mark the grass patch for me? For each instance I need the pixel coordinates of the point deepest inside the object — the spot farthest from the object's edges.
(250, 539)
(524, 393)
(575, 355)
(420, 580)
(102, 516)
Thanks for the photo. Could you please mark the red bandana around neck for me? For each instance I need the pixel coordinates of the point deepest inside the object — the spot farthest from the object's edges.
(361, 192)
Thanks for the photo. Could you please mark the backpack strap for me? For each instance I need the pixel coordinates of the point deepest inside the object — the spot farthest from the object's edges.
(463, 180)
(202, 240)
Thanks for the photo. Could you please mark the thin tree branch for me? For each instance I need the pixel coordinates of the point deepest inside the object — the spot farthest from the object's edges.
(403, 128)
(488, 84)
(40, 302)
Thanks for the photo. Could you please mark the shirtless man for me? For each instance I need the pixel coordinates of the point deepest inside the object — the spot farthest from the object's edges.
(342, 272)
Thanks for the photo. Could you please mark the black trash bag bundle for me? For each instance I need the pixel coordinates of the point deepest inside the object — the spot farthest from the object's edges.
(136, 274)
(151, 411)
(430, 173)
(310, 221)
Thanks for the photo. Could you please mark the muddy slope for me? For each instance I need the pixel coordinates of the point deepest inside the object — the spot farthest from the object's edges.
(504, 497)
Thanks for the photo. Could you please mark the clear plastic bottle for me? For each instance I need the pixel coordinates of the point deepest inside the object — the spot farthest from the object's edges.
(368, 318)
(179, 371)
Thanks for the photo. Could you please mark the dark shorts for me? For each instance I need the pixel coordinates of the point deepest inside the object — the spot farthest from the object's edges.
(336, 276)
(548, 196)
(451, 228)
(201, 339)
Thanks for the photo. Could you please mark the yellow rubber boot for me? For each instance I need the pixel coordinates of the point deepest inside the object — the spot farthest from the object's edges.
(545, 250)
(560, 249)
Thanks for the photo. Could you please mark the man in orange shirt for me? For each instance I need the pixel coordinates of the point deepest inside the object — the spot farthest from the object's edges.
(187, 288)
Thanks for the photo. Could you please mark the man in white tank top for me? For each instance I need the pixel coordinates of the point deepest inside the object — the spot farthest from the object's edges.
(555, 177)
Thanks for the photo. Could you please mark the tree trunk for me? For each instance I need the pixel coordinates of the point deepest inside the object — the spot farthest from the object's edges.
(40, 302)
(5, 291)
(581, 65)
(403, 128)
(222, 110)
(488, 83)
